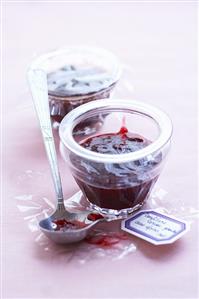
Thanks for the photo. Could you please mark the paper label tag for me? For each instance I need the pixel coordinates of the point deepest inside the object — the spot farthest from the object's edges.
(155, 227)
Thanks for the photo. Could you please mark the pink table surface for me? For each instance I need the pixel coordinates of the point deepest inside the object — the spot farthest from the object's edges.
(158, 41)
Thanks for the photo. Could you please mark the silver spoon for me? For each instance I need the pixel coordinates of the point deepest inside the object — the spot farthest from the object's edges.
(50, 226)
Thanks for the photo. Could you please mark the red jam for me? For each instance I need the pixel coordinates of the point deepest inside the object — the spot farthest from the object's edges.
(69, 87)
(106, 240)
(116, 185)
(63, 225)
(94, 217)
(123, 131)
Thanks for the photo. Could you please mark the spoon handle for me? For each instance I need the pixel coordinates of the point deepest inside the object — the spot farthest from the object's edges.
(38, 85)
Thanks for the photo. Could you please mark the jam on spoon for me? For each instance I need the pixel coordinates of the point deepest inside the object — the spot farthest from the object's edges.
(63, 225)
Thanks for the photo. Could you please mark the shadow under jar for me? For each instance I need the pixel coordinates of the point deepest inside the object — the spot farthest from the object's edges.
(117, 167)
(77, 75)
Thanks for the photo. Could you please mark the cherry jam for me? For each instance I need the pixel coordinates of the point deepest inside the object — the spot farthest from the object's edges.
(94, 217)
(116, 186)
(106, 240)
(63, 225)
(69, 87)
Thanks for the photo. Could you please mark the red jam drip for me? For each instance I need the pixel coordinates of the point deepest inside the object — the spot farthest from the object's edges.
(123, 131)
(63, 224)
(106, 240)
(94, 217)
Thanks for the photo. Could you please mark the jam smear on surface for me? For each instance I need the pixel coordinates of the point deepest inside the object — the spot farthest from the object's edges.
(106, 240)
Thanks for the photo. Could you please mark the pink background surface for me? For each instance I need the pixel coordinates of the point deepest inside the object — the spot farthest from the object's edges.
(158, 41)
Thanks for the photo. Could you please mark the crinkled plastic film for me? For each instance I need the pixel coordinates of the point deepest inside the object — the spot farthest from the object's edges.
(107, 240)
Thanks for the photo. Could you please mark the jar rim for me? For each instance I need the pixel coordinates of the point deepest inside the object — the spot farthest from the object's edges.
(161, 118)
(39, 62)
(53, 60)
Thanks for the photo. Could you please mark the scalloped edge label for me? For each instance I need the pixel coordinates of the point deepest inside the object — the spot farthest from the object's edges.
(155, 227)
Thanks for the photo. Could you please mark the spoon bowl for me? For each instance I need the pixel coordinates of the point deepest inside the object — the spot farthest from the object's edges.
(48, 226)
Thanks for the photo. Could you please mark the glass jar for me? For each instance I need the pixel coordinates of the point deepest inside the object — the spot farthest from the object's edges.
(117, 166)
(77, 75)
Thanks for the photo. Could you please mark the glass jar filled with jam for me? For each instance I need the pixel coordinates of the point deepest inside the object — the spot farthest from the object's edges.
(77, 75)
(117, 166)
